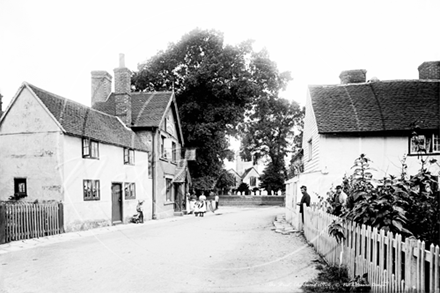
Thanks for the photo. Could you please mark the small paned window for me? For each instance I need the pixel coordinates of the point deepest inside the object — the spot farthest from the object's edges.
(426, 143)
(128, 156)
(90, 148)
(174, 152)
(253, 181)
(91, 190)
(310, 147)
(163, 153)
(20, 187)
(130, 190)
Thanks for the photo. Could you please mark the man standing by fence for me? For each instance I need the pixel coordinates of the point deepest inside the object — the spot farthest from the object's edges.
(304, 200)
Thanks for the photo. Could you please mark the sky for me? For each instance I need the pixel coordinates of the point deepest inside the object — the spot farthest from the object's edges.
(55, 45)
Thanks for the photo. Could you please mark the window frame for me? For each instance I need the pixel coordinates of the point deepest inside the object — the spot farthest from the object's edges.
(173, 152)
(310, 149)
(129, 156)
(90, 148)
(18, 181)
(252, 181)
(431, 143)
(131, 193)
(94, 185)
(163, 153)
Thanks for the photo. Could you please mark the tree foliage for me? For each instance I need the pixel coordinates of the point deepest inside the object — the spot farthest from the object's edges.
(214, 85)
(268, 131)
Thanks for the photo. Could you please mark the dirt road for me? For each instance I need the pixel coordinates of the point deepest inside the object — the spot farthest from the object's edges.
(225, 252)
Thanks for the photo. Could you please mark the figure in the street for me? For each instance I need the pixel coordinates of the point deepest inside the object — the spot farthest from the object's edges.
(139, 217)
(305, 199)
(340, 200)
(200, 207)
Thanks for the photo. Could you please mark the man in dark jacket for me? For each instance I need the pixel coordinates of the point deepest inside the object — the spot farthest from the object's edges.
(304, 200)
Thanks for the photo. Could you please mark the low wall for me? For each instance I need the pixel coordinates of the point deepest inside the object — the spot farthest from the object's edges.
(233, 200)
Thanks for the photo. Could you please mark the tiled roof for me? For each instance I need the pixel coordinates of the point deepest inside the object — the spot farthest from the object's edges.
(376, 106)
(79, 120)
(147, 109)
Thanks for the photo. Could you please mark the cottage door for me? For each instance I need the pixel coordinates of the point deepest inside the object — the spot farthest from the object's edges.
(116, 203)
(178, 197)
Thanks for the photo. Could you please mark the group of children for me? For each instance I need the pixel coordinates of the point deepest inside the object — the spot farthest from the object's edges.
(200, 206)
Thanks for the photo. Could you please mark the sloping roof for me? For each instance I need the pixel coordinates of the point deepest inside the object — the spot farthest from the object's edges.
(79, 120)
(247, 171)
(147, 109)
(376, 106)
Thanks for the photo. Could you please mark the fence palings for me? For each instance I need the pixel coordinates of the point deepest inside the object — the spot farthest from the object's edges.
(392, 265)
(29, 220)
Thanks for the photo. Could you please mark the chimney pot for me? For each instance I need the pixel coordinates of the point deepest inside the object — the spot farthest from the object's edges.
(121, 60)
(429, 70)
(353, 76)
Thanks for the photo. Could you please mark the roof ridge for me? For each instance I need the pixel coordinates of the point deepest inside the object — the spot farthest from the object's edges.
(69, 100)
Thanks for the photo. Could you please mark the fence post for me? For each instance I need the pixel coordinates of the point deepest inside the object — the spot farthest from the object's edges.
(61, 216)
(2, 223)
(410, 264)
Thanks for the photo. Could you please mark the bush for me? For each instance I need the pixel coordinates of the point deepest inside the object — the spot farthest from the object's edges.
(243, 187)
(403, 205)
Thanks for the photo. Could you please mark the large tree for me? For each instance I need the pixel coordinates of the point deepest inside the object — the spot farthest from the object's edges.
(215, 85)
(269, 133)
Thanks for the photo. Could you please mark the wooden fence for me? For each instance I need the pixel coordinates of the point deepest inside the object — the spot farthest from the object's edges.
(393, 264)
(21, 220)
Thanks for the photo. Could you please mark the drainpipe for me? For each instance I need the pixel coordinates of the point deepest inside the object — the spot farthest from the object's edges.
(153, 170)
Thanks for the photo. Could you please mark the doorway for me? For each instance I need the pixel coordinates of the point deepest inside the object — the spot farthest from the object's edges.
(116, 203)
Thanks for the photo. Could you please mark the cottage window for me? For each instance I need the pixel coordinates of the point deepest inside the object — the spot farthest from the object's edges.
(253, 181)
(128, 156)
(426, 143)
(91, 190)
(169, 189)
(20, 187)
(130, 190)
(310, 149)
(90, 148)
(174, 152)
(163, 153)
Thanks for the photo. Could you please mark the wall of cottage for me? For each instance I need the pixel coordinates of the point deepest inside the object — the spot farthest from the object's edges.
(109, 168)
(338, 155)
(31, 146)
(310, 143)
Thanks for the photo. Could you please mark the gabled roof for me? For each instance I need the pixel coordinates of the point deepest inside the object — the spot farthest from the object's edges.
(247, 171)
(376, 106)
(148, 109)
(233, 172)
(82, 121)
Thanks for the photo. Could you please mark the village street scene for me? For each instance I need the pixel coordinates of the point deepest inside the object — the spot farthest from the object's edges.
(241, 146)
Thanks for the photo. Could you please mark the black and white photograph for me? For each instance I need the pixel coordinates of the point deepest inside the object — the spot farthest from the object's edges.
(219, 146)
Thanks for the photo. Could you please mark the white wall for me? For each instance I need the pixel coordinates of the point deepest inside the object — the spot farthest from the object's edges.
(108, 169)
(30, 147)
(338, 156)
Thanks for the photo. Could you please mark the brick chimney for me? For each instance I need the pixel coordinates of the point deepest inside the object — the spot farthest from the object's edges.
(122, 91)
(101, 86)
(353, 76)
(429, 70)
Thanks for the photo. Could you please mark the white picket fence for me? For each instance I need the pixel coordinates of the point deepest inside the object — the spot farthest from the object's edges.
(392, 264)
